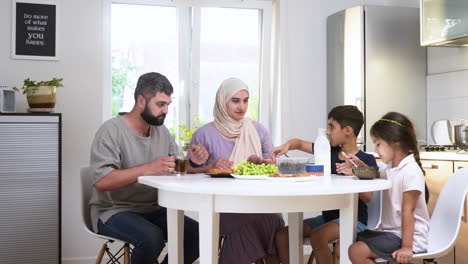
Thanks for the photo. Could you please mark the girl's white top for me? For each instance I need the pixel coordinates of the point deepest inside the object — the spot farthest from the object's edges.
(407, 176)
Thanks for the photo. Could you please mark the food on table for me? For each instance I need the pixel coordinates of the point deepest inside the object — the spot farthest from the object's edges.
(277, 175)
(249, 168)
(291, 165)
(366, 173)
(219, 171)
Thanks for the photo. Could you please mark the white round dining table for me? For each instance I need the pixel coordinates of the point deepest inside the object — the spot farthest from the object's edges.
(211, 196)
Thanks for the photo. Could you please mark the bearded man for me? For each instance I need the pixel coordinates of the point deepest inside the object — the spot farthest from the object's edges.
(133, 145)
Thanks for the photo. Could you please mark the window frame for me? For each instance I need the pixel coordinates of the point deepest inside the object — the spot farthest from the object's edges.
(189, 53)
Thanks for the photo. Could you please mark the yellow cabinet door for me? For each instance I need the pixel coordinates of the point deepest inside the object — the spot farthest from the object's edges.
(437, 173)
(460, 164)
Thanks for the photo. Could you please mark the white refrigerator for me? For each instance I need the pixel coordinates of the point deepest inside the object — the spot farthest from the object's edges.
(375, 61)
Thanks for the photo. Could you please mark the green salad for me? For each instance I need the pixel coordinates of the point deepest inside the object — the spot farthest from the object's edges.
(249, 168)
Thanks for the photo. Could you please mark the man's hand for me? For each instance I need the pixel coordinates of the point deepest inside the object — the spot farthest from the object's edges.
(222, 164)
(198, 154)
(278, 151)
(403, 255)
(160, 166)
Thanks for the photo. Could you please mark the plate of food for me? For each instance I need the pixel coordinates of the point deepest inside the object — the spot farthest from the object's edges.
(218, 173)
(299, 177)
(250, 177)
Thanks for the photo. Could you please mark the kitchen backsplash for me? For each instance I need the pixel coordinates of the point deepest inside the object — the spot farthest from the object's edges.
(447, 85)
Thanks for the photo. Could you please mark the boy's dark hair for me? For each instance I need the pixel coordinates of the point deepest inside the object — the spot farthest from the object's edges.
(395, 127)
(348, 115)
(151, 83)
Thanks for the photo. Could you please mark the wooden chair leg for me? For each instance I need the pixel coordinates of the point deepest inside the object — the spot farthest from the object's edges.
(127, 253)
(101, 253)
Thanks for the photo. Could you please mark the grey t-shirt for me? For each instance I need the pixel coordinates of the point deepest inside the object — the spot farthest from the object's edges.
(116, 146)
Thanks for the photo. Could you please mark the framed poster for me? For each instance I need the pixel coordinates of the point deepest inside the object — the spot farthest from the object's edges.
(34, 29)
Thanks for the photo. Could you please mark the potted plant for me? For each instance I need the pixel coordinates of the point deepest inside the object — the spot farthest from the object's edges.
(186, 133)
(41, 95)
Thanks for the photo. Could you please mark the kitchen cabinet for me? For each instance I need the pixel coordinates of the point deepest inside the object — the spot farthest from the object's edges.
(30, 224)
(437, 173)
(460, 164)
(444, 22)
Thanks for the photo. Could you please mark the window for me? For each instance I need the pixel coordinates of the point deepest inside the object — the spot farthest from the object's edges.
(196, 45)
(229, 47)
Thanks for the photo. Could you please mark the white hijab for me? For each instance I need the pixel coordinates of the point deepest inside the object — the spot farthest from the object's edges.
(243, 131)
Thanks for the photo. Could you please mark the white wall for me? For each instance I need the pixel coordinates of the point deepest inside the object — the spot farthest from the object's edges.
(80, 64)
(447, 89)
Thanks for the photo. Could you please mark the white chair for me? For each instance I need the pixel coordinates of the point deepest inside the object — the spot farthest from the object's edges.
(374, 213)
(445, 221)
(86, 191)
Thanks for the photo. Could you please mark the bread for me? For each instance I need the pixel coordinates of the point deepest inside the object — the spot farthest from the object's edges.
(219, 171)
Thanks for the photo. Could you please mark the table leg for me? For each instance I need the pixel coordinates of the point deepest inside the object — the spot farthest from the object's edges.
(348, 224)
(296, 249)
(175, 237)
(209, 236)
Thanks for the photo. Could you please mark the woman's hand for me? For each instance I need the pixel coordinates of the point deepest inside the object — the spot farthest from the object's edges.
(198, 154)
(278, 151)
(222, 164)
(403, 255)
(255, 159)
(259, 160)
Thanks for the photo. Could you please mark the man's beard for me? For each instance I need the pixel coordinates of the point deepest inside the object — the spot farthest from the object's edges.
(151, 119)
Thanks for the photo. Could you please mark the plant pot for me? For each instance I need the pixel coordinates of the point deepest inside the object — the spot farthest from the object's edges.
(41, 96)
(185, 146)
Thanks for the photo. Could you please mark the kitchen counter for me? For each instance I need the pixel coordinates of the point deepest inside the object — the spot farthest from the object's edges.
(438, 155)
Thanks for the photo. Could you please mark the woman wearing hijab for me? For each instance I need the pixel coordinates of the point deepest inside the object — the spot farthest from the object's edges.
(230, 139)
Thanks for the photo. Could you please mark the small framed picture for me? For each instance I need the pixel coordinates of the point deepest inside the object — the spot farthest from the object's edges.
(34, 29)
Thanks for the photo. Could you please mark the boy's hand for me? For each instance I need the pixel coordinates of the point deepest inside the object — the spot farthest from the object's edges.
(278, 151)
(356, 160)
(403, 255)
(345, 168)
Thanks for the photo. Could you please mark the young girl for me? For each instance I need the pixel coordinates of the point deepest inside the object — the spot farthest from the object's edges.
(405, 219)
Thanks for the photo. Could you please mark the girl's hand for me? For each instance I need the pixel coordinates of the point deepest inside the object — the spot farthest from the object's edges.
(344, 168)
(403, 255)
